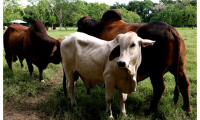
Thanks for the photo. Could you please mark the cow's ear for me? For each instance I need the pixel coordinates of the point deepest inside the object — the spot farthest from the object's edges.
(59, 41)
(114, 53)
(54, 49)
(145, 42)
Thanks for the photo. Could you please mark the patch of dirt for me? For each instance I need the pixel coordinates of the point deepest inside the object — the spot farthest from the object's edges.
(27, 109)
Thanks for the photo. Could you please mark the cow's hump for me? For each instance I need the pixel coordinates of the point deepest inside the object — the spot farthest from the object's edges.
(111, 14)
(38, 26)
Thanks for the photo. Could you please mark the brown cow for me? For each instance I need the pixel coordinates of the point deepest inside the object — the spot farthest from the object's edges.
(33, 44)
(167, 54)
(47, 27)
(54, 27)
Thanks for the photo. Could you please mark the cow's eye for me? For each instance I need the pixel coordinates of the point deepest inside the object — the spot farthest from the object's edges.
(132, 45)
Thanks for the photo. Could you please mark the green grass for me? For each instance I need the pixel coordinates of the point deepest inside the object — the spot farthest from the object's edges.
(93, 106)
(61, 33)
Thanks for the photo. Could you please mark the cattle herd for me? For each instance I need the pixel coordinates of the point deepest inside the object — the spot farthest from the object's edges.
(108, 51)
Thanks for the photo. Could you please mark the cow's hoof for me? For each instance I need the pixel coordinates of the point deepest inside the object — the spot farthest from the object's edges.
(43, 82)
(150, 111)
(123, 114)
(188, 110)
(111, 117)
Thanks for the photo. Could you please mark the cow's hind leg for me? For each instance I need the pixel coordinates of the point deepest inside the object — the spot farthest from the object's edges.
(70, 78)
(41, 75)
(9, 60)
(21, 61)
(30, 67)
(70, 87)
(158, 88)
(183, 85)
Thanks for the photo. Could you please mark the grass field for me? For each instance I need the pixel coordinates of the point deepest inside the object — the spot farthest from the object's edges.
(26, 98)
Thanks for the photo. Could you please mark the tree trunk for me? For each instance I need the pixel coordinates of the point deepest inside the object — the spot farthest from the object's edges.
(60, 26)
(51, 26)
(65, 27)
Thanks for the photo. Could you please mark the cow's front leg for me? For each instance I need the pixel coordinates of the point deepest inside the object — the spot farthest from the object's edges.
(109, 98)
(123, 98)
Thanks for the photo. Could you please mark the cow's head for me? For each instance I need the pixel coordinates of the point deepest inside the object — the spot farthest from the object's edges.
(55, 54)
(129, 51)
(87, 25)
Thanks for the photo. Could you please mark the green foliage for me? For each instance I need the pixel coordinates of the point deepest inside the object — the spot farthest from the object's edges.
(116, 5)
(40, 8)
(52, 20)
(142, 8)
(170, 15)
(78, 9)
(176, 16)
(129, 16)
(12, 11)
(96, 10)
(166, 2)
(29, 14)
(190, 15)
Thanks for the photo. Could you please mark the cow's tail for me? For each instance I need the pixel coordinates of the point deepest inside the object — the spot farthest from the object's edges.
(5, 41)
(177, 38)
(8, 55)
(64, 83)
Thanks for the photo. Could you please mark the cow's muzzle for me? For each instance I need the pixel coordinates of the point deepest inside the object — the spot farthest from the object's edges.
(121, 63)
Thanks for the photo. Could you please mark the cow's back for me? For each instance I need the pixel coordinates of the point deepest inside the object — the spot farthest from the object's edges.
(112, 29)
(86, 55)
(162, 53)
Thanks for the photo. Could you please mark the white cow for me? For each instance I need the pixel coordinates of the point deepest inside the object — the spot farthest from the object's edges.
(96, 61)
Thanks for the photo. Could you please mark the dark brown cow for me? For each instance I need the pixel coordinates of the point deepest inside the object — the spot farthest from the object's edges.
(167, 54)
(47, 27)
(33, 44)
(54, 27)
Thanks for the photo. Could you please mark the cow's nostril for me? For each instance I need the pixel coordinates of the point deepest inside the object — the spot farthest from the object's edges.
(121, 63)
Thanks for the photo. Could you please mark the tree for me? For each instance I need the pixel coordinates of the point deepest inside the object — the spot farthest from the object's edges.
(62, 9)
(40, 8)
(190, 15)
(116, 5)
(12, 10)
(29, 14)
(96, 10)
(129, 16)
(52, 20)
(170, 15)
(166, 2)
(142, 8)
(179, 14)
(78, 10)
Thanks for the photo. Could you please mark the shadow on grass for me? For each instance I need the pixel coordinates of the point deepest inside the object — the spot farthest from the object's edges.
(93, 106)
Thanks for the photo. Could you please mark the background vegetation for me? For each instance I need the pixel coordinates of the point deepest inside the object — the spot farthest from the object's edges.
(178, 13)
(31, 99)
